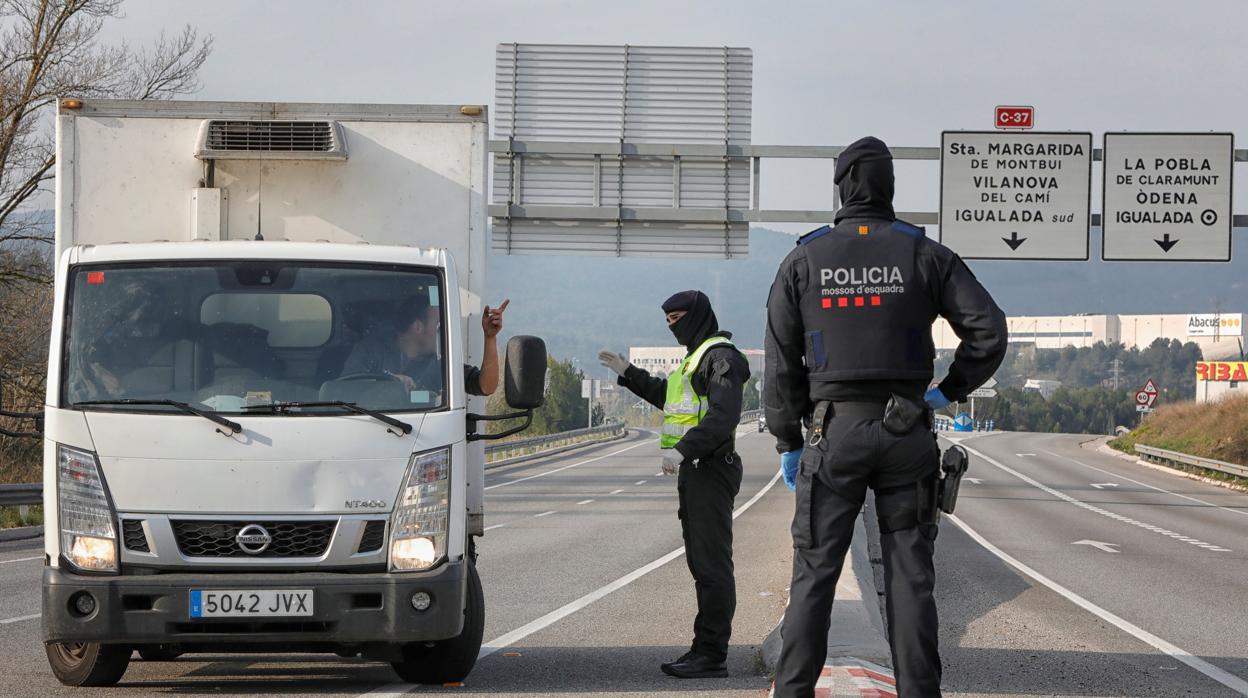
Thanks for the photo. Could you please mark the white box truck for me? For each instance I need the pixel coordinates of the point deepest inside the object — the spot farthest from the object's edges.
(257, 431)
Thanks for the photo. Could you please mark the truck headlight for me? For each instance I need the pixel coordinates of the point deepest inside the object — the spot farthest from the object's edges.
(419, 525)
(88, 536)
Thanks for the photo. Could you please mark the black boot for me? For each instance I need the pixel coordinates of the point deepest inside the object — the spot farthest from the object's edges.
(695, 666)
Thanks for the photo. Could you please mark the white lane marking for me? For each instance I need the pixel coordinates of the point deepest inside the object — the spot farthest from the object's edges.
(614, 492)
(1084, 505)
(974, 480)
(544, 513)
(1099, 545)
(587, 501)
(18, 619)
(1103, 485)
(567, 467)
(1025, 455)
(1226, 679)
(564, 611)
(659, 474)
(491, 528)
(640, 482)
(1151, 487)
(21, 559)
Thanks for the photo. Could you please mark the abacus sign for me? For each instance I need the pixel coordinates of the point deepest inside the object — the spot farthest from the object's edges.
(1167, 197)
(1015, 117)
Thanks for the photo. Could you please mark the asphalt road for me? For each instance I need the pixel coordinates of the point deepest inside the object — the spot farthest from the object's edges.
(585, 593)
(1154, 566)
(1067, 572)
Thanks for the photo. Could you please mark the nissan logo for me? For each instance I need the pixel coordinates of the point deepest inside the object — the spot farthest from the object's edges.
(253, 539)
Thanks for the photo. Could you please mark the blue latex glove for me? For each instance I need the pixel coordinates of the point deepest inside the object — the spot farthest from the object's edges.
(935, 399)
(788, 466)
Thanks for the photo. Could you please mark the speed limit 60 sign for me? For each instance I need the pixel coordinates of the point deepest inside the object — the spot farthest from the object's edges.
(1015, 117)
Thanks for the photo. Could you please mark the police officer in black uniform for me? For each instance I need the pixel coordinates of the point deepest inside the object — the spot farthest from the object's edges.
(850, 352)
(708, 476)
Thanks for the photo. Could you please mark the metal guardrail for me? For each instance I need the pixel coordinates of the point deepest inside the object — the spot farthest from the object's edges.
(1162, 455)
(541, 443)
(21, 495)
(32, 493)
(36, 417)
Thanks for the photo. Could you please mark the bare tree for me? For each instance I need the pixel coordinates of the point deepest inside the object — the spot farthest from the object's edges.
(50, 49)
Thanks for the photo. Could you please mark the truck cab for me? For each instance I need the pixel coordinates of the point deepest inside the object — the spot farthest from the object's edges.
(259, 434)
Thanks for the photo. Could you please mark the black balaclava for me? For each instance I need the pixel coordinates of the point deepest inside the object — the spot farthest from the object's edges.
(864, 175)
(699, 322)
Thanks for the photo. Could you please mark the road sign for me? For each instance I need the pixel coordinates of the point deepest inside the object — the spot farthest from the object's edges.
(990, 383)
(1015, 195)
(1167, 197)
(1014, 117)
(1146, 396)
(962, 422)
(983, 392)
(591, 388)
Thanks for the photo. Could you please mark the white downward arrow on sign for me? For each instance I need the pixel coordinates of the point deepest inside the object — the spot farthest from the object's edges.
(973, 480)
(1103, 485)
(1107, 547)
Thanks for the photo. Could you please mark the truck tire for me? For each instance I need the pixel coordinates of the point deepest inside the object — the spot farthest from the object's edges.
(159, 653)
(449, 661)
(87, 663)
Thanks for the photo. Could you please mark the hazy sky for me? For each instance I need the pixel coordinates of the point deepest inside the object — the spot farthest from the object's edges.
(825, 73)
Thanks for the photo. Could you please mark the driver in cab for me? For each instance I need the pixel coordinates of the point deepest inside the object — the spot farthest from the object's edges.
(410, 353)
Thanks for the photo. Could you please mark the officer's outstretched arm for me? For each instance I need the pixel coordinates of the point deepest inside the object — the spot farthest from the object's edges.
(786, 391)
(977, 321)
(645, 386)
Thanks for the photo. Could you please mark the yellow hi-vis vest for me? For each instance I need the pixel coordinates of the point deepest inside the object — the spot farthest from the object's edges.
(684, 408)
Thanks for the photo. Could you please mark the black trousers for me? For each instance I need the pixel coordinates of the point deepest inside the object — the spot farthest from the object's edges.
(831, 487)
(707, 491)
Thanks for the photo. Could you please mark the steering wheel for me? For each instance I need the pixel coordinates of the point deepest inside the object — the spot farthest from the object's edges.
(369, 375)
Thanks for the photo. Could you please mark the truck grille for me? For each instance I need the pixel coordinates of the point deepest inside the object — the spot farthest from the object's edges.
(132, 533)
(218, 538)
(374, 536)
(271, 136)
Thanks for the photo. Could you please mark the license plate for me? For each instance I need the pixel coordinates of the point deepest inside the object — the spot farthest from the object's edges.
(243, 603)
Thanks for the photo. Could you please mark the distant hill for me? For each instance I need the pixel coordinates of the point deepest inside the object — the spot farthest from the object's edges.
(582, 304)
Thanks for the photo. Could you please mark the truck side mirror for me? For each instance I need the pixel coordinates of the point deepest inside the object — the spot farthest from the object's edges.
(524, 373)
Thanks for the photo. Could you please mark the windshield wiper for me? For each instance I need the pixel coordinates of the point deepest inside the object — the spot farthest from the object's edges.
(286, 407)
(230, 424)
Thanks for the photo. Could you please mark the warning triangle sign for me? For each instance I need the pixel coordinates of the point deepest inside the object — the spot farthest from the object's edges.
(1149, 387)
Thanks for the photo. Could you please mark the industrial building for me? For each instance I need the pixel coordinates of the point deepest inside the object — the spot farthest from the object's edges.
(1219, 335)
(664, 360)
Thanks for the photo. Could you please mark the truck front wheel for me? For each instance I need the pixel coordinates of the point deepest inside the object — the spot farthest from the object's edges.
(449, 661)
(87, 663)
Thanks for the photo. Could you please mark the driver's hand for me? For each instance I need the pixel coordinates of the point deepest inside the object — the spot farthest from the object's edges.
(492, 320)
(405, 380)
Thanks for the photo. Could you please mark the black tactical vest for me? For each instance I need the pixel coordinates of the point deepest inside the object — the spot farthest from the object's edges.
(866, 313)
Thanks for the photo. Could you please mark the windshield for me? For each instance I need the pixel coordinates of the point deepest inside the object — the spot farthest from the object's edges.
(221, 336)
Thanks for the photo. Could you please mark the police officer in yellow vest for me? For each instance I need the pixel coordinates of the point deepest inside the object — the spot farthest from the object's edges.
(701, 404)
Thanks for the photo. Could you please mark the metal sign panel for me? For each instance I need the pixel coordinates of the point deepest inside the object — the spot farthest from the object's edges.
(1015, 195)
(555, 195)
(1167, 197)
(982, 392)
